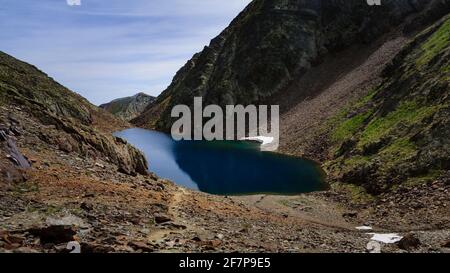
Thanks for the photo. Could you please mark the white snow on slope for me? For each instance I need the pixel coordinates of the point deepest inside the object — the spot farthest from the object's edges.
(261, 139)
(389, 238)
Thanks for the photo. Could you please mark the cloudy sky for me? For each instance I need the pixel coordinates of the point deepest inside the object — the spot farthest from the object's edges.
(105, 49)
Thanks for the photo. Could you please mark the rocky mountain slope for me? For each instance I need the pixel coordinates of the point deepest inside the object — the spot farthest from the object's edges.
(271, 44)
(128, 108)
(62, 117)
(398, 133)
(315, 58)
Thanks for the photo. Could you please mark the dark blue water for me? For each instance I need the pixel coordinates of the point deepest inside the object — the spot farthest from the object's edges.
(225, 167)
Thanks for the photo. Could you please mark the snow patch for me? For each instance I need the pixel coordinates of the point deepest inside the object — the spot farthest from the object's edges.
(261, 139)
(388, 238)
(364, 228)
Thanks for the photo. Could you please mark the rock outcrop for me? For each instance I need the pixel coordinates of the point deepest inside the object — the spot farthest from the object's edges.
(129, 108)
(78, 126)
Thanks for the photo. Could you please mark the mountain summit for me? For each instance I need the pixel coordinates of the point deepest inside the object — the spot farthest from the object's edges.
(129, 107)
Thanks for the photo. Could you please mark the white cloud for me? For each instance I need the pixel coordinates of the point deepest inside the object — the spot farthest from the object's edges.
(74, 2)
(105, 57)
(176, 8)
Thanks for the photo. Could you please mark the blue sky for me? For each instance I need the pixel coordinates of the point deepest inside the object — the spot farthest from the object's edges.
(105, 49)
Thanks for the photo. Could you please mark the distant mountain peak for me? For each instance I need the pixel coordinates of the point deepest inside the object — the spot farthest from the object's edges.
(128, 108)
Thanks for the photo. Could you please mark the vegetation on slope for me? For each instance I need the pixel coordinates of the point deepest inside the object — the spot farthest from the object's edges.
(399, 133)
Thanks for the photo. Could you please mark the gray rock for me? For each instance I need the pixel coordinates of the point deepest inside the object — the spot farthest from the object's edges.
(54, 234)
(3, 135)
(409, 242)
(161, 218)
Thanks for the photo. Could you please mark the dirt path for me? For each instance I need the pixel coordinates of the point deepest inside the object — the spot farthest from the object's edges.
(178, 196)
(303, 208)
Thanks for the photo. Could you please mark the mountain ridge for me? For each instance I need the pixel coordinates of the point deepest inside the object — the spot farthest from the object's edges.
(80, 126)
(278, 39)
(128, 108)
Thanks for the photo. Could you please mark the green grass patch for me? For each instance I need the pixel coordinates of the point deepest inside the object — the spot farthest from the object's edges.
(446, 72)
(363, 101)
(24, 188)
(355, 161)
(344, 128)
(435, 44)
(334, 121)
(400, 149)
(357, 193)
(407, 112)
(431, 176)
(349, 127)
(342, 165)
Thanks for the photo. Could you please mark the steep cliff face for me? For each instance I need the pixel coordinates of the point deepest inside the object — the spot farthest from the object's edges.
(398, 133)
(76, 125)
(128, 108)
(271, 43)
